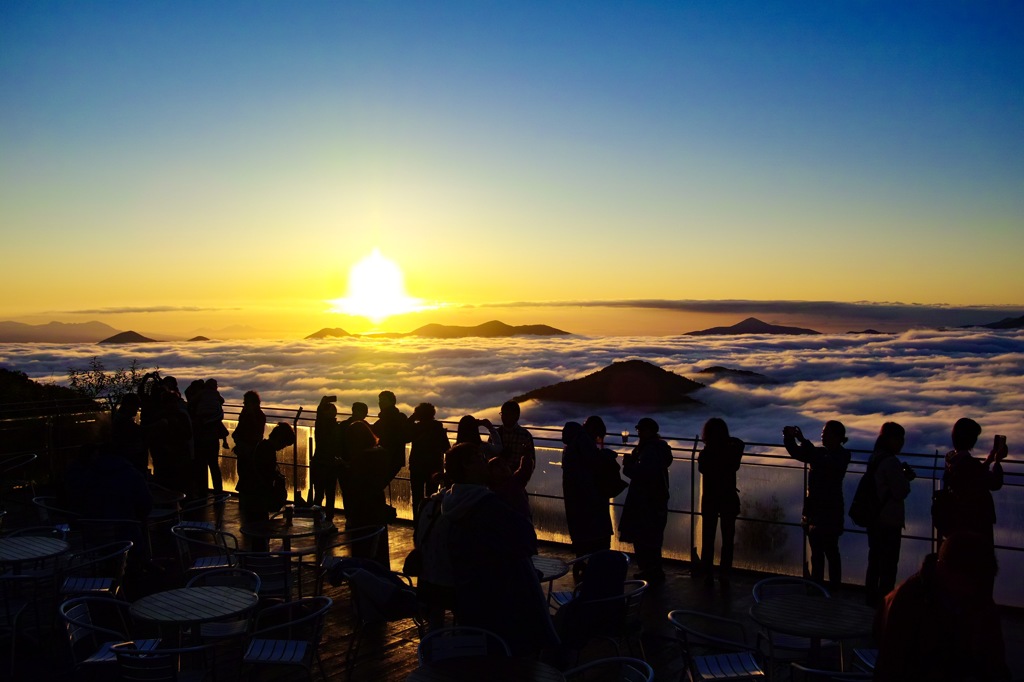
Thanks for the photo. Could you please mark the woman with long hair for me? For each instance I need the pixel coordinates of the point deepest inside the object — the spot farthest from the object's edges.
(718, 463)
(892, 484)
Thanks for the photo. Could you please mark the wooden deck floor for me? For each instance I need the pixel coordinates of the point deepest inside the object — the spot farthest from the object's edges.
(389, 653)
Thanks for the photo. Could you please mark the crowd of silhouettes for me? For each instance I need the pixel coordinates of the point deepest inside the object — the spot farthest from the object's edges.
(473, 522)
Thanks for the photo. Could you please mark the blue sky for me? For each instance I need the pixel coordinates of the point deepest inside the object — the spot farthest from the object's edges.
(879, 146)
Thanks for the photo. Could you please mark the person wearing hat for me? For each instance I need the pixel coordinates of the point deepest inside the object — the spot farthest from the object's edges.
(645, 512)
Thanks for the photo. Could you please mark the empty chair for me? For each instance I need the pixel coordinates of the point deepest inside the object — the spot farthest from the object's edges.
(136, 663)
(288, 636)
(274, 570)
(94, 625)
(202, 548)
(714, 647)
(51, 513)
(460, 642)
(97, 570)
(777, 646)
(616, 668)
(204, 512)
(616, 618)
(335, 548)
(604, 576)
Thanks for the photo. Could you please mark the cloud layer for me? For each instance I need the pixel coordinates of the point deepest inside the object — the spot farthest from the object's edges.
(922, 379)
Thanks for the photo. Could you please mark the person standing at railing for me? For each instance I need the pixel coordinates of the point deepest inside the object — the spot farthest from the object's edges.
(824, 509)
(885, 534)
(718, 463)
(514, 440)
(392, 429)
(645, 511)
(587, 514)
(260, 483)
(970, 481)
(252, 422)
(322, 473)
(429, 442)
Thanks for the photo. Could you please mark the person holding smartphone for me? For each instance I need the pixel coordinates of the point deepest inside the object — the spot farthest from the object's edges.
(970, 481)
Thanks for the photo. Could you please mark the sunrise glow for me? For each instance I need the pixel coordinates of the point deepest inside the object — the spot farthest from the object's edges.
(376, 290)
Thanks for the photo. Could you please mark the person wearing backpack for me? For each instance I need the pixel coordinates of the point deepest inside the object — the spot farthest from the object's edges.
(885, 533)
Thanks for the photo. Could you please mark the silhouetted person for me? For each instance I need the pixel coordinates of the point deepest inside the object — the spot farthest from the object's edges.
(393, 431)
(971, 481)
(323, 472)
(645, 511)
(508, 485)
(824, 512)
(128, 439)
(941, 624)
(251, 424)
(429, 441)
(207, 411)
(496, 586)
(370, 471)
(892, 483)
(171, 443)
(718, 463)
(587, 514)
(342, 464)
(515, 441)
(256, 473)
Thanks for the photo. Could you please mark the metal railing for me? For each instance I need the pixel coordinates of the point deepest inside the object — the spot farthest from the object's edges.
(766, 472)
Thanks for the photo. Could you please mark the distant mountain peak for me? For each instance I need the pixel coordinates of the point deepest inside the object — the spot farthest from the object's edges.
(494, 328)
(199, 338)
(329, 333)
(752, 325)
(128, 337)
(630, 382)
(1006, 323)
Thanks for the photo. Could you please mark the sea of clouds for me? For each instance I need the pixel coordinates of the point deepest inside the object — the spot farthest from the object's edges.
(923, 379)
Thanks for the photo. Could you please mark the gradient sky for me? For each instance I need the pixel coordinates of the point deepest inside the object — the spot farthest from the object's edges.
(236, 159)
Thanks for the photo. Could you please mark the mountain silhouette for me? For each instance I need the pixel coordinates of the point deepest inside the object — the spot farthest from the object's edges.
(752, 325)
(128, 337)
(630, 382)
(55, 332)
(328, 333)
(1006, 323)
(494, 328)
(199, 338)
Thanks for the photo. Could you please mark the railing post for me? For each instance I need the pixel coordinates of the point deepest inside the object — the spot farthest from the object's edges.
(295, 457)
(694, 557)
(803, 526)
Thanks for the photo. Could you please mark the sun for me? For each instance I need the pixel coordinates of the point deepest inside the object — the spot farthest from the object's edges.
(376, 290)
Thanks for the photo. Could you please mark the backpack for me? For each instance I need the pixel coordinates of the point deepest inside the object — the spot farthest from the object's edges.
(866, 505)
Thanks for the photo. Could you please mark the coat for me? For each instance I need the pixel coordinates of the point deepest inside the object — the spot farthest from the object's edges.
(824, 509)
(718, 465)
(645, 511)
(586, 509)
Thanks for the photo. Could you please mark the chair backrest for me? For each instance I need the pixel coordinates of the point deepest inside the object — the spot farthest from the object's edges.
(301, 619)
(12, 463)
(366, 538)
(102, 531)
(90, 621)
(274, 570)
(460, 642)
(106, 561)
(779, 586)
(194, 541)
(581, 620)
(617, 668)
(802, 673)
(158, 665)
(708, 632)
(50, 512)
(604, 576)
(227, 577)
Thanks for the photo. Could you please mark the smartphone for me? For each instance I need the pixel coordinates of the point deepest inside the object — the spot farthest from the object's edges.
(1000, 442)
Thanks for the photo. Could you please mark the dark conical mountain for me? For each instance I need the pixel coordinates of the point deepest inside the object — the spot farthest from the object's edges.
(752, 325)
(494, 328)
(745, 375)
(1006, 323)
(128, 337)
(631, 382)
(199, 338)
(328, 333)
